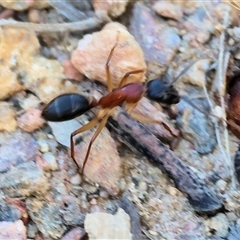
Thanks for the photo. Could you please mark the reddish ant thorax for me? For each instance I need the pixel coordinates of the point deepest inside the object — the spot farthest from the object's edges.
(130, 93)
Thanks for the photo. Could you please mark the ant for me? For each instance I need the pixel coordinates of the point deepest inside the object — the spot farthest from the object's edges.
(69, 106)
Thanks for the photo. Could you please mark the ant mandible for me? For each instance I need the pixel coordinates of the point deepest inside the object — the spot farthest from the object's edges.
(69, 106)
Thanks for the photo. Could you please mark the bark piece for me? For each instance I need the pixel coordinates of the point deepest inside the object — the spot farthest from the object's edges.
(134, 134)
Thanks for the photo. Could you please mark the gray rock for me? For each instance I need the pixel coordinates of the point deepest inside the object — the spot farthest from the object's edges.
(74, 234)
(234, 232)
(101, 225)
(196, 128)
(12, 230)
(71, 212)
(158, 41)
(24, 180)
(220, 224)
(132, 211)
(32, 230)
(47, 217)
(235, 33)
(22, 147)
(8, 213)
(199, 27)
(62, 130)
(167, 9)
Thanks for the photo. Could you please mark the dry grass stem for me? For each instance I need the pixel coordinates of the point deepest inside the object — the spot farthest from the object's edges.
(222, 68)
(219, 86)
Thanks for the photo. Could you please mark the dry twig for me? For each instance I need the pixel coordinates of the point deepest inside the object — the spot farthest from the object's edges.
(135, 135)
(99, 19)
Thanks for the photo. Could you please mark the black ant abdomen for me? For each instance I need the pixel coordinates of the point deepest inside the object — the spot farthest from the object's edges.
(66, 107)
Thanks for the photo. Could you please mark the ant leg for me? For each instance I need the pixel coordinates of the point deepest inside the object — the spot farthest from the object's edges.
(99, 129)
(130, 106)
(109, 80)
(124, 79)
(86, 127)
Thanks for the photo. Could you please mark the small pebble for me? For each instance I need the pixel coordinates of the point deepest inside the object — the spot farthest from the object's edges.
(142, 186)
(32, 230)
(196, 75)
(103, 194)
(112, 7)
(142, 195)
(93, 201)
(122, 184)
(96, 208)
(153, 233)
(31, 120)
(236, 194)
(90, 188)
(182, 49)
(231, 42)
(237, 54)
(101, 225)
(238, 222)
(154, 202)
(50, 136)
(51, 161)
(167, 9)
(61, 189)
(34, 16)
(12, 230)
(221, 185)
(172, 191)
(7, 120)
(235, 33)
(31, 102)
(230, 205)
(176, 205)
(70, 71)
(218, 112)
(43, 146)
(74, 234)
(231, 216)
(220, 224)
(76, 179)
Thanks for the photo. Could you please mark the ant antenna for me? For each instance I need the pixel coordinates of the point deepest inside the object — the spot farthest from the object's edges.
(184, 71)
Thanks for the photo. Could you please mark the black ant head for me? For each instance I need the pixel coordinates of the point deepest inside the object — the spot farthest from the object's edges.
(162, 92)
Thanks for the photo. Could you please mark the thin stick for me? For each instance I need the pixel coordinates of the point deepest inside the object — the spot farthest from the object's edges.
(99, 19)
